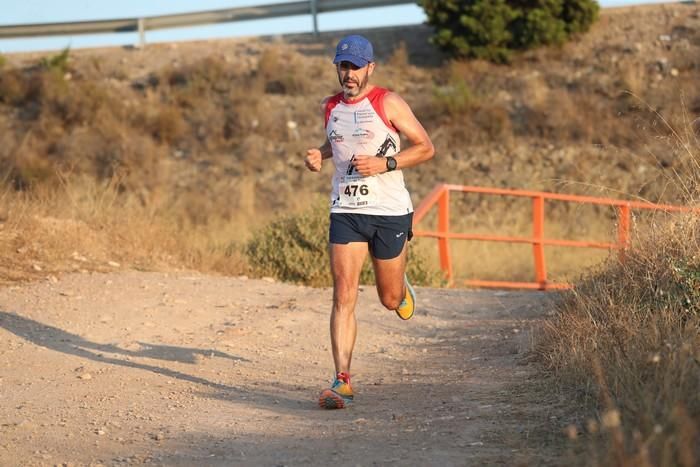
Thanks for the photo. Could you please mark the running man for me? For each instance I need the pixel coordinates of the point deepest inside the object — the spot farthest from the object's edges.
(371, 209)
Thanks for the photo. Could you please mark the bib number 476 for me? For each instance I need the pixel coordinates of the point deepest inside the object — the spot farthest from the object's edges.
(357, 193)
(355, 190)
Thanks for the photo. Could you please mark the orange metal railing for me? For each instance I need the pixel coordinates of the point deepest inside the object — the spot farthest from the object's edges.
(441, 196)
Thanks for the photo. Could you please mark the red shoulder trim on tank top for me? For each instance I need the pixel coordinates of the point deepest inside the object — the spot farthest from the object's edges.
(376, 98)
(330, 105)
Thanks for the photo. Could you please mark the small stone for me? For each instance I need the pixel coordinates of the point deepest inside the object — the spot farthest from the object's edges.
(85, 376)
(591, 426)
(269, 279)
(78, 257)
(571, 432)
(114, 264)
(36, 267)
(674, 72)
(611, 419)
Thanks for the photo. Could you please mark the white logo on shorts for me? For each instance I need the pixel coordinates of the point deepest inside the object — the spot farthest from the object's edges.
(398, 235)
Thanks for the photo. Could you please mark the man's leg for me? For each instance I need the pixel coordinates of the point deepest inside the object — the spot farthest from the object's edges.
(346, 264)
(389, 276)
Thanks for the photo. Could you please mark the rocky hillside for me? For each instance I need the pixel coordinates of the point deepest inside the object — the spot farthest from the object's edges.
(219, 128)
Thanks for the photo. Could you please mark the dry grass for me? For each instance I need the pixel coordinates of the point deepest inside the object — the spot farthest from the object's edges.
(84, 226)
(626, 345)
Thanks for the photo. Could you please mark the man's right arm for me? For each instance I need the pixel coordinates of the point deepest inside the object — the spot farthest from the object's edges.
(326, 150)
(314, 157)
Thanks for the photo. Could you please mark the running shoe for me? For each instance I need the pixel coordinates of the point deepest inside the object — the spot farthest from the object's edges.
(408, 305)
(339, 395)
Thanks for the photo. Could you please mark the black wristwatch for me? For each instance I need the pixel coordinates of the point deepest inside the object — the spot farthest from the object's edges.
(390, 164)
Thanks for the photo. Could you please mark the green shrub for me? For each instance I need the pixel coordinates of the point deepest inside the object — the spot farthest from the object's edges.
(453, 98)
(476, 29)
(579, 15)
(294, 248)
(493, 29)
(57, 62)
(539, 23)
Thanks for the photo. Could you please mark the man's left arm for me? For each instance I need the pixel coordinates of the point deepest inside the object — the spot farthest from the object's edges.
(421, 149)
(401, 116)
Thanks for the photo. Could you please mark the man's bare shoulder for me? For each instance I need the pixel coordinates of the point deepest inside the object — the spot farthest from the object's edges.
(393, 103)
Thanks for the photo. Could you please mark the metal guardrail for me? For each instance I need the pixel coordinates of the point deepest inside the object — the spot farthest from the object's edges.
(440, 196)
(141, 25)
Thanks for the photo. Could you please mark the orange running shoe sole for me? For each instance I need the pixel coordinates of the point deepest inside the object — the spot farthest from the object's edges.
(331, 400)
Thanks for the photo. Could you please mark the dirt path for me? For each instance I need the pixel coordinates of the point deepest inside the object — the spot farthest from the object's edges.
(186, 369)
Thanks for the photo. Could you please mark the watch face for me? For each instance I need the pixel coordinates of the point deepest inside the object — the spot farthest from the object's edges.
(390, 163)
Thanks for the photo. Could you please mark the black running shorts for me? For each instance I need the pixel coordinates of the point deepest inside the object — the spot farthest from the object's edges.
(386, 235)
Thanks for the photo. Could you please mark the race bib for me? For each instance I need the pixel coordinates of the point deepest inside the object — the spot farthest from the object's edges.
(357, 192)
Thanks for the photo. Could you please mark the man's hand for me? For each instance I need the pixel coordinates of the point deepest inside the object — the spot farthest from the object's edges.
(369, 165)
(313, 160)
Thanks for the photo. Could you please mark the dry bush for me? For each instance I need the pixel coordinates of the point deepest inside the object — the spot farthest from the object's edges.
(167, 125)
(399, 57)
(627, 339)
(493, 120)
(82, 225)
(452, 94)
(13, 87)
(277, 74)
(633, 77)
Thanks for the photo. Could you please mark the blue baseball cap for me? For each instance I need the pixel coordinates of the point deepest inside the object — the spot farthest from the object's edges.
(354, 49)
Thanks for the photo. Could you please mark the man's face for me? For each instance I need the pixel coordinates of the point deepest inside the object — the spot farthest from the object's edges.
(353, 79)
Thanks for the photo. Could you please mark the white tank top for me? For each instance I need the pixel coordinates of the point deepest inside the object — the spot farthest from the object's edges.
(362, 128)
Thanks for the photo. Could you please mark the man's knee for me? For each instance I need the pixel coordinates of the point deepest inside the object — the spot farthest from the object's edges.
(391, 300)
(344, 295)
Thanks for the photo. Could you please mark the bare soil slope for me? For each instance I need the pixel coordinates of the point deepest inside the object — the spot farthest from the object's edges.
(187, 369)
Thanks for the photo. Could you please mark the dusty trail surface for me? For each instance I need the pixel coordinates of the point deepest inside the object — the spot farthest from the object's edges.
(187, 369)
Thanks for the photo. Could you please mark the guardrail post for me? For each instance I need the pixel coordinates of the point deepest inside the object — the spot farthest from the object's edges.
(444, 229)
(142, 33)
(314, 15)
(623, 229)
(538, 244)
